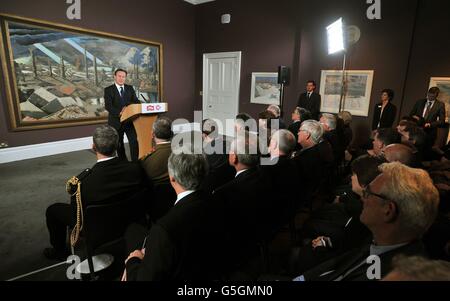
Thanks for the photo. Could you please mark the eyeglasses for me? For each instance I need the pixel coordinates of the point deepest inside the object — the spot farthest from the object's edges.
(366, 193)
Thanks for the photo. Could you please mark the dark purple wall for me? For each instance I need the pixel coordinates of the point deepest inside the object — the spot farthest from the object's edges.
(430, 56)
(292, 33)
(263, 30)
(170, 22)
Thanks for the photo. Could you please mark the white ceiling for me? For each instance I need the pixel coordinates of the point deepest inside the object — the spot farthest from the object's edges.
(195, 2)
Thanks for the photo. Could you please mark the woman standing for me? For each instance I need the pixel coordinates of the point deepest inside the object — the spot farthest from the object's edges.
(385, 112)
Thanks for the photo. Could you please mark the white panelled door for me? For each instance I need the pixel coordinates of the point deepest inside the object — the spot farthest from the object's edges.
(221, 81)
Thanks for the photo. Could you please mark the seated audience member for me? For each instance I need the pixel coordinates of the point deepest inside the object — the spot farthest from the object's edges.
(415, 137)
(405, 122)
(267, 124)
(383, 138)
(385, 112)
(245, 122)
(181, 245)
(245, 201)
(110, 179)
(346, 117)
(437, 238)
(417, 268)
(155, 163)
(283, 175)
(400, 153)
(298, 116)
(277, 112)
(329, 123)
(336, 227)
(398, 207)
(314, 162)
(216, 149)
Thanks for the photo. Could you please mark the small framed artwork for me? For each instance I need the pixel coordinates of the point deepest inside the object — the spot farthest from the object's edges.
(265, 88)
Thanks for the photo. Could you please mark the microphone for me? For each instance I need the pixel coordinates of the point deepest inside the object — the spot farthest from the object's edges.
(144, 98)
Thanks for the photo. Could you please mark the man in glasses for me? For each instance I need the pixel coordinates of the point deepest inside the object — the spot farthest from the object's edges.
(398, 208)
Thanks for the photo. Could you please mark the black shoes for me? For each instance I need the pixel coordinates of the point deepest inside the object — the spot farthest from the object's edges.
(53, 254)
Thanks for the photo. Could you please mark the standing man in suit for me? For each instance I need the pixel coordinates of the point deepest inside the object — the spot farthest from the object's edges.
(117, 97)
(398, 208)
(385, 112)
(110, 179)
(430, 114)
(311, 100)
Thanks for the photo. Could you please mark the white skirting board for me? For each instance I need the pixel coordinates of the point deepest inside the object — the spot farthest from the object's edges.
(19, 153)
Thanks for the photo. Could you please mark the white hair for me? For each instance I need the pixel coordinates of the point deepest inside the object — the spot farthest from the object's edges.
(330, 120)
(285, 141)
(415, 195)
(275, 110)
(314, 128)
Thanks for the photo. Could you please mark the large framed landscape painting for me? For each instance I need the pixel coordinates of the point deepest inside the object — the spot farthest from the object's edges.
(55, 74)
(357, 91)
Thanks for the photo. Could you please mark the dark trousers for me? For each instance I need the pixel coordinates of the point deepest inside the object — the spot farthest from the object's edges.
(59, 216)
(129, 130)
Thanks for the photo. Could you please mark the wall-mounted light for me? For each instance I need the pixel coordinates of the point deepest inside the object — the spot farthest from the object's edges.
(225, 19)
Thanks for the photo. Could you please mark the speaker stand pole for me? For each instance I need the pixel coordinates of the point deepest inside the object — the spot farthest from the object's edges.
(341, 102)
(281, 100)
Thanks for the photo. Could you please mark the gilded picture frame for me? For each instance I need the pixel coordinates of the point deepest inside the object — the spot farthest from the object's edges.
(54, 74)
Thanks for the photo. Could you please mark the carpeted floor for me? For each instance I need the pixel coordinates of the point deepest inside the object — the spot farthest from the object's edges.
(27, 188)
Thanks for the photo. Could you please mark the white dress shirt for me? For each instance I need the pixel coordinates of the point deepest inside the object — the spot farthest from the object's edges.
(118, 88)
(426, 106)
(183, 195)
(239, 172)
(106, 159)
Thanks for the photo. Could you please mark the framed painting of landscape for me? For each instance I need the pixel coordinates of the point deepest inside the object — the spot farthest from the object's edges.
(55, 74)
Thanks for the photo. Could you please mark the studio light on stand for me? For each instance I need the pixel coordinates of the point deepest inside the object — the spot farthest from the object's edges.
(336, 44)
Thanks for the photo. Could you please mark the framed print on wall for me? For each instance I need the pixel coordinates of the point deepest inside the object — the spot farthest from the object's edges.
(55, 74)
(265, 88)
(358, 89)
(443, 83)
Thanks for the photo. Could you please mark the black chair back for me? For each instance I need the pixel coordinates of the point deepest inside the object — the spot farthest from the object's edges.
(106, 223)
(163, 198)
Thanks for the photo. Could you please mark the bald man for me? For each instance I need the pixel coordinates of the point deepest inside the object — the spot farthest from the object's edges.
(399, 153)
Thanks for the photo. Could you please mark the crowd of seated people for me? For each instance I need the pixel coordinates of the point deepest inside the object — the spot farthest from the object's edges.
(236, 195)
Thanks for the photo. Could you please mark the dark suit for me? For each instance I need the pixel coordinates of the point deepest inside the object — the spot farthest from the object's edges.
(336, 143)
(312, 103)
(246, 210)
(108, 181)
(386, 120)
(294, 128)
(114, 105)
(285, 180)
(220, 171)
(315, 166)
(436, 117)
(343, 263)
(182, 245)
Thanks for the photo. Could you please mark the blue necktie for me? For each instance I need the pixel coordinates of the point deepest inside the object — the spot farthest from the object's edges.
(122, 100)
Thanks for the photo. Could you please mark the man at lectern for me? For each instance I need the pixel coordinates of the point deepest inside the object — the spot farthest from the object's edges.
(117, 97)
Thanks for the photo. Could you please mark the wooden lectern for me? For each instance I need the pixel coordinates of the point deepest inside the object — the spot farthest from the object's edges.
(143, 116)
